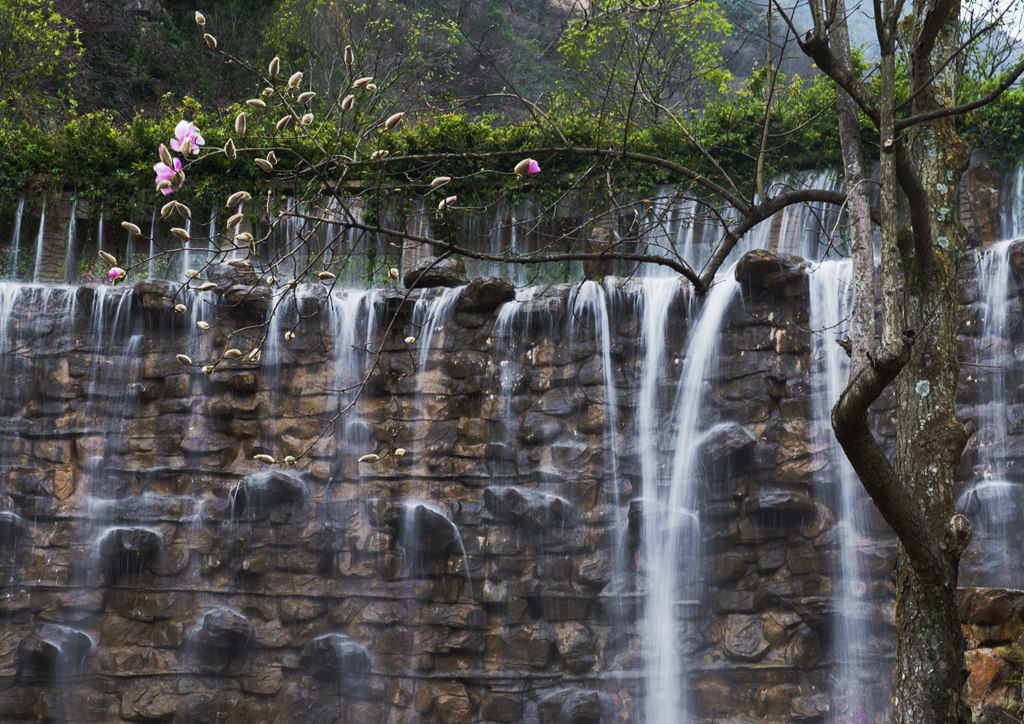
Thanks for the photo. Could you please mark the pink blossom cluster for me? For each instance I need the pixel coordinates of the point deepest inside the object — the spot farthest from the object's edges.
(169, 171)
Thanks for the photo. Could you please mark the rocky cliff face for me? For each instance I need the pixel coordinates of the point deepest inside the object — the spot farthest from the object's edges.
(153, 570)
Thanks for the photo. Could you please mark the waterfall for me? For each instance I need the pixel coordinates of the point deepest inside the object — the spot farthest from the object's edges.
(39, 242)
(1013, 205)
(671, 531)
(151, 260)
(99, 231)
(14, 252)
(862, 673)
(70, 272)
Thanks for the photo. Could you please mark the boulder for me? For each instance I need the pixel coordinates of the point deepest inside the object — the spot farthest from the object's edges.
(335, 657)
(126, 551)
(422, 530)
(777, 273)
(434, 272)
(525, 507)
(222, 637)
(52, 651)
(574, 706)
(485, 295)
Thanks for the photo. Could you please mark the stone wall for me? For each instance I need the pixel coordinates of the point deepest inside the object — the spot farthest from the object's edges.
(153, 570)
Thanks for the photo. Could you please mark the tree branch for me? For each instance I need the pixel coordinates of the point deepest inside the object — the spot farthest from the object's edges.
(1005, 83)
(853, 430)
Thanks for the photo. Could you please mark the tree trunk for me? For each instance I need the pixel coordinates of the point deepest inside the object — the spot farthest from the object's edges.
(930, 650)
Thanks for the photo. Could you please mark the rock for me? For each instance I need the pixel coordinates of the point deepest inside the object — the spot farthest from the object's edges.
(422, 530)
(12, 528)
(727, 445)
(525, 507)
(485, 295)
(223, 637)
(777, 273)
(126, 551)
(574, 706)
(52, 651)
(258, 494)
(741, 637)
(226, 275)
(336, 657)
(577, 646)
(434, 272)
(979, 200)
(248, 301)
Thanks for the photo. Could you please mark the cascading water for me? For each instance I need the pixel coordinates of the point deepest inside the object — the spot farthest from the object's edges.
(1013, 205)
(39, 242)
(15, 249)
(862, 672)
(994, 498)
(671, 533)
(70, 273)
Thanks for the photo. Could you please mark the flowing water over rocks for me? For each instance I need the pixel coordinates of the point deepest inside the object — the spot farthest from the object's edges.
(588, 502)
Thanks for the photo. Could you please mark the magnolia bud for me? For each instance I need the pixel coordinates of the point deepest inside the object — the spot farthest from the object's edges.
(393, 273)
(206, 287)
(284, 121)
(237, 198)
(304, 97)
(180, 233)
(207, 370)
(264, 164)
(165, 184)
(109, 258)
(294, 81)
(440, 181)
(203, 325)
(346, 103)
(229, 149)
(399, 452)
(233, 220)
(244, 238)
(326, 276)
(165, 156)
(180, 309)
(359, 83)
(371, 87)
(132, 228)
(306, 119)
(350, 55)
(256, 103)
(378, 155)
(183, 210)
(272, 158)
(192, 273)
(200, 19)
(240, 124)
(393, 121)
(445, 203)
(289, 335)
(264, 459)
(186, 146)
(184, 360)
(166, 209)
(275, 66)
(211, 41)
(369, 458)
(232, 353)
(267, 92)
(410, 340)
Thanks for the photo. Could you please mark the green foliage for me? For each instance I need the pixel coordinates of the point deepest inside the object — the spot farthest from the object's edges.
(998, 128)
(39, 52)
(631, 63)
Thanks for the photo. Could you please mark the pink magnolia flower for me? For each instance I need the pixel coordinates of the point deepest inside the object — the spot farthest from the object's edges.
(116, 274)
(526, 167)
(168, 178)
(187, 130)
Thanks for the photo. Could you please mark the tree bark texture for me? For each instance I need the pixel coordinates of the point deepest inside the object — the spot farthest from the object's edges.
(930, 669)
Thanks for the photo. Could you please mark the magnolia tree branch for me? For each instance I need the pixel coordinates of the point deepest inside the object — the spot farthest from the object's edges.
(853, 431)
